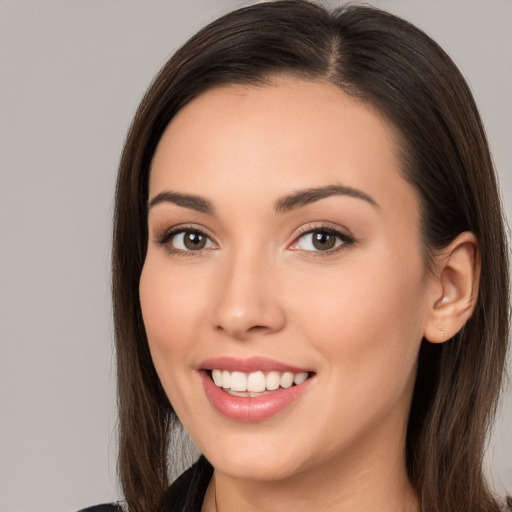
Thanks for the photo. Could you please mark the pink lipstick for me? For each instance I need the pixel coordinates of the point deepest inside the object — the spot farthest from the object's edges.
(252, 389)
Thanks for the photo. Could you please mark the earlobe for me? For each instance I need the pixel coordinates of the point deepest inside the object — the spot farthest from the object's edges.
(455, 291)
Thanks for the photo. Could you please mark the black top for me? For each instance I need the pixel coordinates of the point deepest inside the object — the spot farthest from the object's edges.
(186, 494)
(107, 507)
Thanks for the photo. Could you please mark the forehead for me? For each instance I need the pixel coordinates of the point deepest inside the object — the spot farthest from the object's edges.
(290, 134)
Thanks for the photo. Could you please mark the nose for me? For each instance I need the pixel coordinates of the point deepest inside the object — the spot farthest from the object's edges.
(247, 302)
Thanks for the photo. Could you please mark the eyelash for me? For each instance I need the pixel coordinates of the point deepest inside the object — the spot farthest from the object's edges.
(164, 240)
(345, 239)
(167, 236)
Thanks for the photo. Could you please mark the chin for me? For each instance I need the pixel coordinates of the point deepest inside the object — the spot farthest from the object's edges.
(255, 468)
(255, 459)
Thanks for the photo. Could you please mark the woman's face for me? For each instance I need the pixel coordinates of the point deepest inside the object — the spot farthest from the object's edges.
(284, 245)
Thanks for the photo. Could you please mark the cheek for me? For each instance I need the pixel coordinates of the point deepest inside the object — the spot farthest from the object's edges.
(171, 307)
(367, 320)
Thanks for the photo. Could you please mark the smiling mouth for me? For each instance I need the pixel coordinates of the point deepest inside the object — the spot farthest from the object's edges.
(257, 383)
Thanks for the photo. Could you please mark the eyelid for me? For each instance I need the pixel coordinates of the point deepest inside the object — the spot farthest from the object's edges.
(343, 234)
(164, 236)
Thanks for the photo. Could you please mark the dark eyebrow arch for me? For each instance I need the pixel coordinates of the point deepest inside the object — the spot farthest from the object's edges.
(193, 202)
(310, 195)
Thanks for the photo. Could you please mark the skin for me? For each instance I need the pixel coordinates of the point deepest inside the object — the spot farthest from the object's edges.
(355, 315)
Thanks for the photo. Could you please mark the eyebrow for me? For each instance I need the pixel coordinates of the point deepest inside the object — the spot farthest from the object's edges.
(191, 201)
(285, 204)
(306, 196)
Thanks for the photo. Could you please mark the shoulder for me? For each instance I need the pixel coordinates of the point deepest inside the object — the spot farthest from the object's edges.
(106, 507)
(186, 494)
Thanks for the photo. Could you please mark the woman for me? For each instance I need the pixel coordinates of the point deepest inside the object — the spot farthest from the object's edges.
(310, 271)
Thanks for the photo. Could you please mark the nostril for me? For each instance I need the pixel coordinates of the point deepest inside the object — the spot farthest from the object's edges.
(257, 328)
(240, 330)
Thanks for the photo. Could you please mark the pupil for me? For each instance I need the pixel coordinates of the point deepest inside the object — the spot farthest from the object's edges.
(194, 241)
(323, 241)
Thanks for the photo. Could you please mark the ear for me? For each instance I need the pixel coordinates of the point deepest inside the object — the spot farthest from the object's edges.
(454, 290)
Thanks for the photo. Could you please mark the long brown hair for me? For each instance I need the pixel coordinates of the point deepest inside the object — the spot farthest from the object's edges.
(407, 77)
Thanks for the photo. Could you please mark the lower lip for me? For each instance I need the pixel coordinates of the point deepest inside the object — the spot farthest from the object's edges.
(249, 409)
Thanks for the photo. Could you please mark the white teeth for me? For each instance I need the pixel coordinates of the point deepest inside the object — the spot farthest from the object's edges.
(286, 380)
(239, 383)
(217, 377)
(256, 382)
(299, 378)
(273, 381)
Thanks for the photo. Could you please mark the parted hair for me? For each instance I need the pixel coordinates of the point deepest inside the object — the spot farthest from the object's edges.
(396, 68)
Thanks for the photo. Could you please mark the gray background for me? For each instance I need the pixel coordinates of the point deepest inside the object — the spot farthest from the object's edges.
(71, 76)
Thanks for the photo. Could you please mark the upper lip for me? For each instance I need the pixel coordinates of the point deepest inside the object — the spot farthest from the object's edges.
(249, 365)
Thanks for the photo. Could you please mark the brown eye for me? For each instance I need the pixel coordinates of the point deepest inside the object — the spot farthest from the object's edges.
(323, 240)
(189, 241)
(319, 240)
(194, 241)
